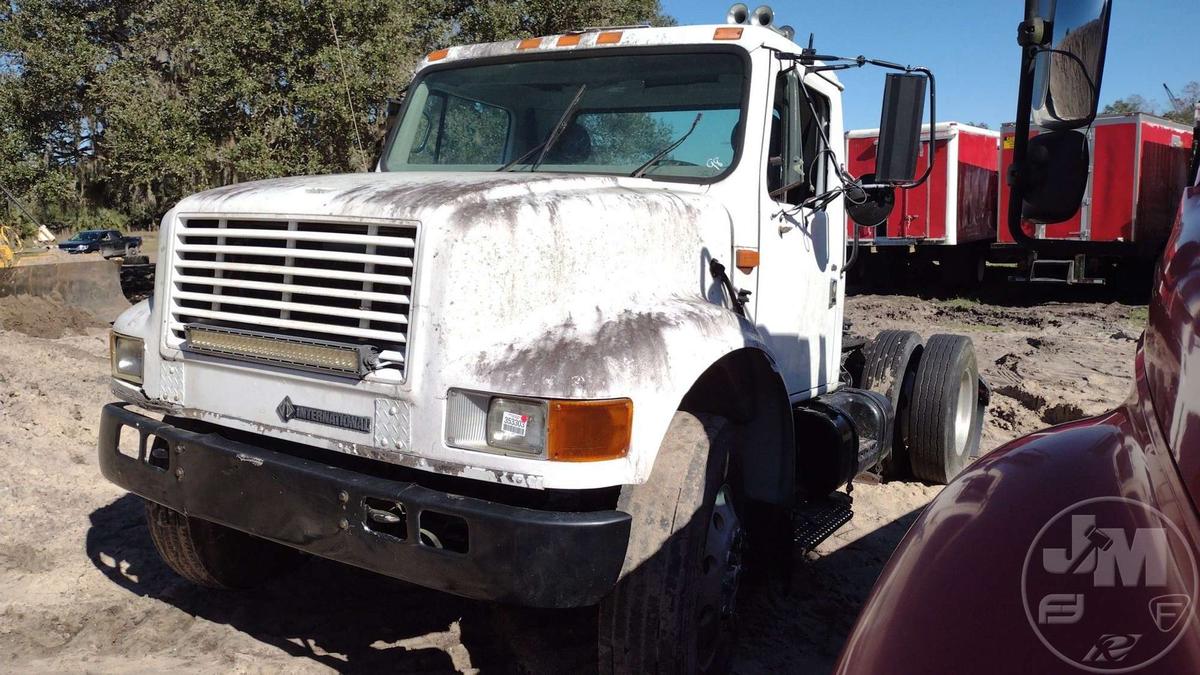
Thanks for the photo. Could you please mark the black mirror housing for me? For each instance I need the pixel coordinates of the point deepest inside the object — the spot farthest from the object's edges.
(1055, 177)
(900, 128)
(869, 203)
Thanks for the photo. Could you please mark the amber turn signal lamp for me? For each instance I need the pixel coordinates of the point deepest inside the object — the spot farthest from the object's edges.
(589, 431)
(609, 38)
(728, 33)
(529, 43)
(746, 259)
(438, 55)
(569, 40)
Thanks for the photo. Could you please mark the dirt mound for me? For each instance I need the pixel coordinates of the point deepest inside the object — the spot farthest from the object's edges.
(43, 318)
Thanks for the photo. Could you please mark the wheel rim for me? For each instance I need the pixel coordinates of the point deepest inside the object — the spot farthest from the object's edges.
(720, 575)
(964, 412)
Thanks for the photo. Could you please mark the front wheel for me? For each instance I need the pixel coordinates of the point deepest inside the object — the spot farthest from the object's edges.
(212, 555)
(672, 611)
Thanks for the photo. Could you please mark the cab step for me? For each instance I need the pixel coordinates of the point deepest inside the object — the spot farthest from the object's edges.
(815, 521)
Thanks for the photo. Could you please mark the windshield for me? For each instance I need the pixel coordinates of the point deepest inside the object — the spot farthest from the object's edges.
(632, 107)
(89, 235)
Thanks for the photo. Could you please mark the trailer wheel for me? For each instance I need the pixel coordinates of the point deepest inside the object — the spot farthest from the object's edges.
(889, 368)
(672, 610)
(212, 555)
(945, 418)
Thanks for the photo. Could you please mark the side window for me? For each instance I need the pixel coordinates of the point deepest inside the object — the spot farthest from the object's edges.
(797, 159)
(814, 129)
(455, 130)
(776, 155)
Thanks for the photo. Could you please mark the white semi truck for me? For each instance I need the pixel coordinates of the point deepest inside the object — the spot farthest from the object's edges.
(577, 341)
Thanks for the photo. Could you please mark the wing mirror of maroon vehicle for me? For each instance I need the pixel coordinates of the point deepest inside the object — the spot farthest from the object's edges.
(1062, 62)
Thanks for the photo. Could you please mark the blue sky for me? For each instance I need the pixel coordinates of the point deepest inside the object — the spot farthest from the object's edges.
(971, 47)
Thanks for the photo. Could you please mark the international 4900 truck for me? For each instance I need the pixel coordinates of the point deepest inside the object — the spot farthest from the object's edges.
(577, 341)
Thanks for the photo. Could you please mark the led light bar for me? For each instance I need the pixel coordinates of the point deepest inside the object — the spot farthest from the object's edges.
(326, 357)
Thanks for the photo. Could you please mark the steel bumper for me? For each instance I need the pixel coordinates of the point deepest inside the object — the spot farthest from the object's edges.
(512, 554)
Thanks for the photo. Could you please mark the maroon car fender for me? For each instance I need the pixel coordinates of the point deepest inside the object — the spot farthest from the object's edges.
(952, 598)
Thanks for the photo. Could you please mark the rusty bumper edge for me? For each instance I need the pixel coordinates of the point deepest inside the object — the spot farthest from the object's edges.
(514, 554)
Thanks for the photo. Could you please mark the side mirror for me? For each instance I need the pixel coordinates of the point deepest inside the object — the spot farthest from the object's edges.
(1062, 61)
(1056, 173)
(1068, 68)
(869, 203)
(900, 128)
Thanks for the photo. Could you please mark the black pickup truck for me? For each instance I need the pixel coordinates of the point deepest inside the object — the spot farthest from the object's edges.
(110, 243)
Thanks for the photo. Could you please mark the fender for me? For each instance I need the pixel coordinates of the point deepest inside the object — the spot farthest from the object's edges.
(968, 549)
(675, 352)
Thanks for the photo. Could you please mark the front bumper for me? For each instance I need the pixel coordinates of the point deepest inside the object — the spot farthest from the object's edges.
(512, 554)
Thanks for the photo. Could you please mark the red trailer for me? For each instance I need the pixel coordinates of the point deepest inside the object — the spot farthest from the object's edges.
(951, 218)
(1139, 168)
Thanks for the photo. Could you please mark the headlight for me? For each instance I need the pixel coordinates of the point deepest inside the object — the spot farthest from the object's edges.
(564, 431)
(127, 353)
(517, 425)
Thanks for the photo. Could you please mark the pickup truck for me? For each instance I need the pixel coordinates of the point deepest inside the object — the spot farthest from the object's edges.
(1074, 548)
(110, 243)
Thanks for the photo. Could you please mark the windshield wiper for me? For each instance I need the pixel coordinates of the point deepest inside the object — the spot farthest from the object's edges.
(558, 130)
(658, 156)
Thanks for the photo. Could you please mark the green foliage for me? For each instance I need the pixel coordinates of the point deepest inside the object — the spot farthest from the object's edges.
(1181, 110)
(129, 105)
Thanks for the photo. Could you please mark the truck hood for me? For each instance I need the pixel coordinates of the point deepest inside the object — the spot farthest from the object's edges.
(517, 270)
(412, 195)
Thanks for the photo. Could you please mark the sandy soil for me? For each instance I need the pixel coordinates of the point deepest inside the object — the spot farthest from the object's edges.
(81, 588)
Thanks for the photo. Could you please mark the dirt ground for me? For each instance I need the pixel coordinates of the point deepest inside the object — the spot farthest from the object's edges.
(81, 588)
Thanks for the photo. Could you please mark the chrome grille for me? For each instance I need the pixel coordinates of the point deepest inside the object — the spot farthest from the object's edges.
(349, 282)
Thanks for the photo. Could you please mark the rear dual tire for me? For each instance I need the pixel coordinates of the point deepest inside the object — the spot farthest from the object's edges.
(934, 390)
(945, 419)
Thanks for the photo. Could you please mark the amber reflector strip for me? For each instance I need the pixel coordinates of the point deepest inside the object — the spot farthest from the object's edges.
(728, 34)
(609, 38)
(746, 259)
(438, 55)
(530, 43)
(589, 431)
(569, 40)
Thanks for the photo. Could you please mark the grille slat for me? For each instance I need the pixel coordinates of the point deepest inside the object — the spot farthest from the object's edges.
(305, 253)
(337, 237)
(295, 289)
(344, 281)
(291, 306)
(251, 320)
(280, 269)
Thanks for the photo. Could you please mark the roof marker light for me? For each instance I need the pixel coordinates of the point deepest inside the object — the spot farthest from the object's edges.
(530, 43)
(438, 55)
(610, 38)
(569, 40)
(728, 33)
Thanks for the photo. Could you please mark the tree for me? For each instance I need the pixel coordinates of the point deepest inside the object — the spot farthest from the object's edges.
(1181, 110)
(1129, 105)
(132, 104)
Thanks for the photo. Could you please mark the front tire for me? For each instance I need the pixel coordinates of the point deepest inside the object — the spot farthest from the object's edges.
(672, 610)
(212, 555)
(945, 417)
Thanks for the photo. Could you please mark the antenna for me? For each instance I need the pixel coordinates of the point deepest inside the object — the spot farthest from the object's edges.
(362, 155)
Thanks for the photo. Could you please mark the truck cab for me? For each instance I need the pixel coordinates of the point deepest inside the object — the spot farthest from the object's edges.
(575, 341)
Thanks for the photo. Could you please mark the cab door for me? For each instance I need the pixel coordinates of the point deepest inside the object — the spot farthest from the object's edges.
(801, 250)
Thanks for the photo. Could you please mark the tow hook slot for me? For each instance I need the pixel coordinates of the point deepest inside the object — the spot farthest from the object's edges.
(385, 517)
